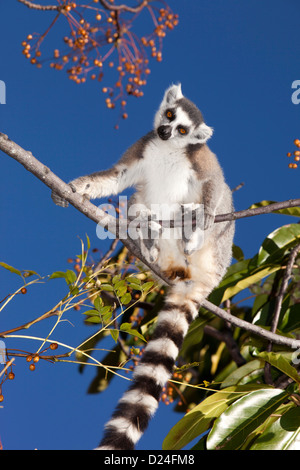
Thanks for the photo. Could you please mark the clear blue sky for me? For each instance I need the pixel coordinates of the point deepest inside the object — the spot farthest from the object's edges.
(237, 61)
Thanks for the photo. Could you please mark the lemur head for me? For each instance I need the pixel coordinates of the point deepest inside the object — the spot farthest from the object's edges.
(179, 121)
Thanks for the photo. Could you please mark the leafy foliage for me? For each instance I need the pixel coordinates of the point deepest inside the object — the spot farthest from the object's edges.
(220, 380)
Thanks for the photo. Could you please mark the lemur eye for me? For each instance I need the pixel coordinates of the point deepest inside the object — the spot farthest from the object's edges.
(169, 114)
(182, 130)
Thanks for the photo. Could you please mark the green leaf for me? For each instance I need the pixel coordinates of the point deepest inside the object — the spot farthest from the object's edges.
(98, 303)
(70, 276)
(114, 334)
(95, 319)
(104, 310)
(248, 280)
(126, 327)
(199, 419)
(88, 242)
(10, 268)
(134, 280)
(120, 284)
(237, 253)
(121, 291)
(116, 278)
(243, 374)
(241, 418)
(277, 243)
(280, 362)
(125, 299)
(147, 286)
(57, 275)
(107, 287)
(91, 312)
(135, 286)
(283, 434)
(240, 276)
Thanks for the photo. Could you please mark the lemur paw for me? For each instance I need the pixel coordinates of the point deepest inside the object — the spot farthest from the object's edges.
(58, 200)
(153, 254)
(208, 220)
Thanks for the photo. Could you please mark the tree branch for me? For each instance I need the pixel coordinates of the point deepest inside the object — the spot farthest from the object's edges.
(104, 3)
(113, 7)
(256, 330)
(119, 229)
(36, 6)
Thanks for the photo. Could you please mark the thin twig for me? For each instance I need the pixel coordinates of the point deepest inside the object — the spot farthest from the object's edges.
(7, 365)
(29, 324)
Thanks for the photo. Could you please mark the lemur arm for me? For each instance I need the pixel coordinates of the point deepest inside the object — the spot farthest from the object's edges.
(211, 180)
(212, 193)
(127, 172)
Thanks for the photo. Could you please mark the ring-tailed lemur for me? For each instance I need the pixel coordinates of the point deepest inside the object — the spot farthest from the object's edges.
(172, 165)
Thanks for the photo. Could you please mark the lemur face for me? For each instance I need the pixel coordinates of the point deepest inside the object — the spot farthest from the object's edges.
(179, 121)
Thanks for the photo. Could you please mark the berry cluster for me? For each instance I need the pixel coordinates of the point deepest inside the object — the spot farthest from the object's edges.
(296, 154)
(8, 373)
(96, 35)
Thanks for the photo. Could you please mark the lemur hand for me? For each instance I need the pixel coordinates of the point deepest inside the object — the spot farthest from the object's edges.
(208, 220)
(77, 186)
(58, 200)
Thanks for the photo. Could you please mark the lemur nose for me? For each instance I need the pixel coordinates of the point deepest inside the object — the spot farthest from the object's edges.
(164, 132)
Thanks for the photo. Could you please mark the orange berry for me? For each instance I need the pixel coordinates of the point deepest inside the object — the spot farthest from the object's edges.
(1, 398)
(36, 359)
(289, 154)
(32, 367)
(29, 358)
(297, 142)
(23, 290)
(53, 346)
(11, 376)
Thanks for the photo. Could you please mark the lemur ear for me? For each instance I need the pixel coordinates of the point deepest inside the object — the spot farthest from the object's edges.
(172, 94)
(202, 133)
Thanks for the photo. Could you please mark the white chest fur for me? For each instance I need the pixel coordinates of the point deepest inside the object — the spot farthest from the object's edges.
(168, 175)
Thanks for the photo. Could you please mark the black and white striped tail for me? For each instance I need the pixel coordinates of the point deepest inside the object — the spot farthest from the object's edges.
(140, 402)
